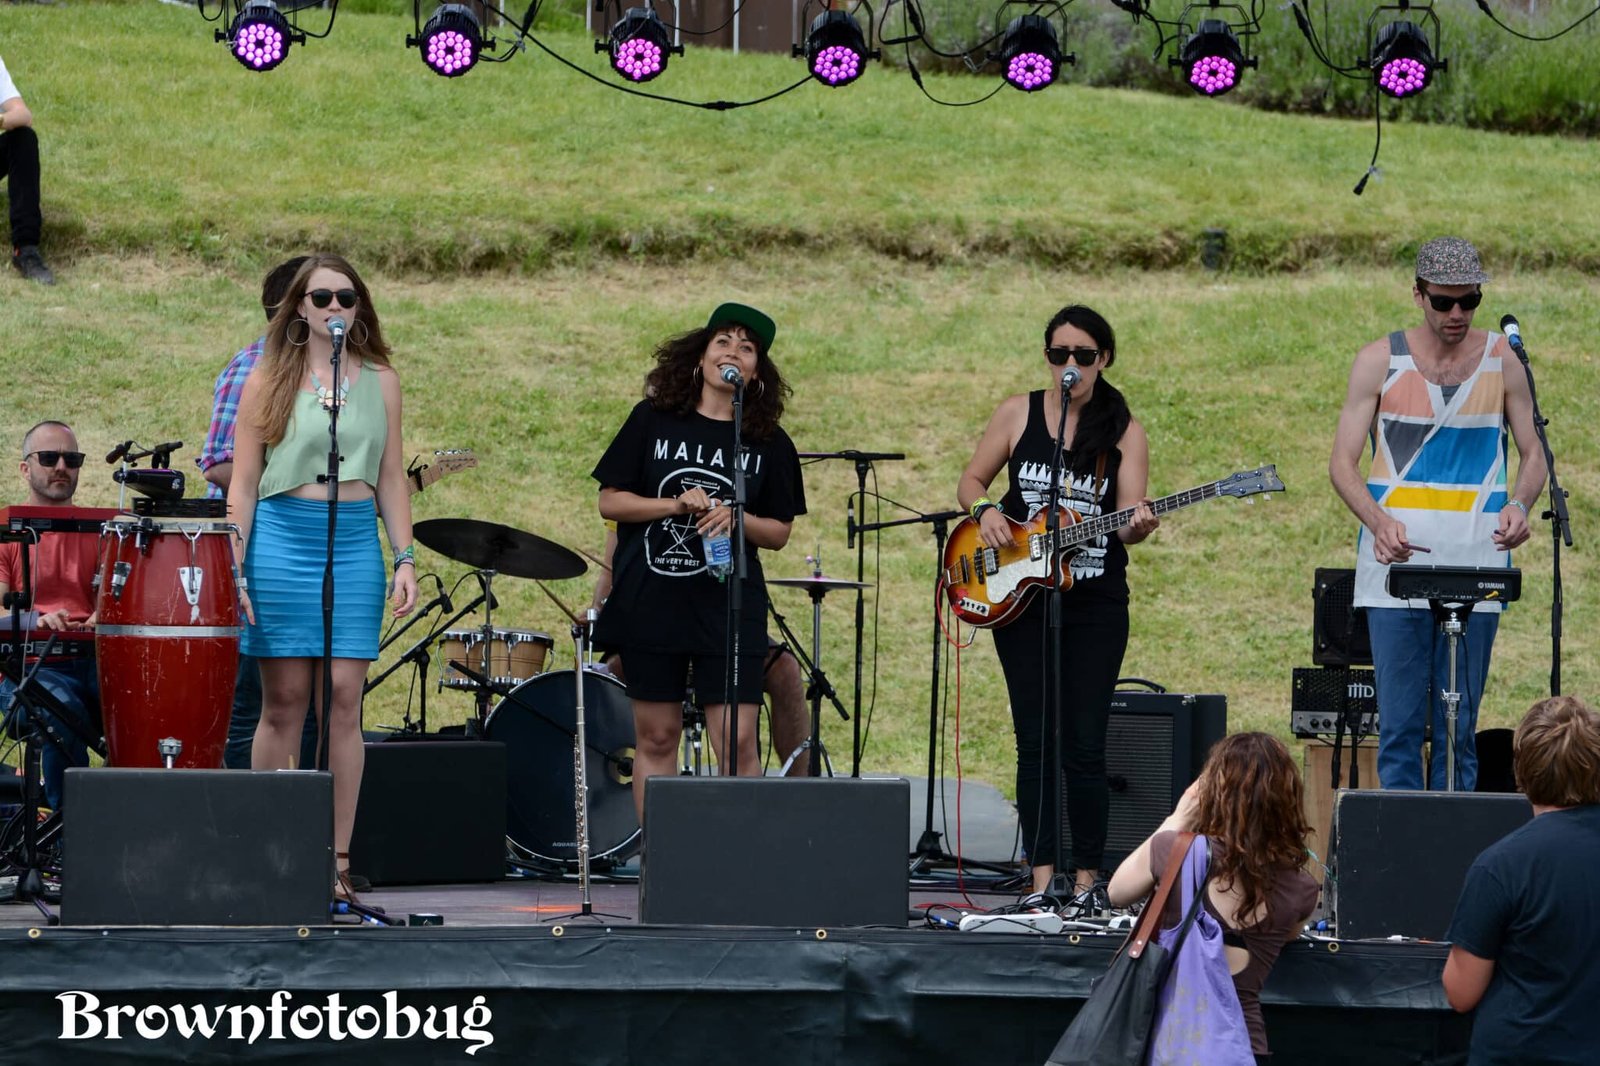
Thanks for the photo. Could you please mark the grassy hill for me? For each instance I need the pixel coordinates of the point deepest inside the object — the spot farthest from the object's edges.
(530, 234)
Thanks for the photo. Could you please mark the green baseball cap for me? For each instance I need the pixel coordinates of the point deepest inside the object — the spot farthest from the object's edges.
(760, 326)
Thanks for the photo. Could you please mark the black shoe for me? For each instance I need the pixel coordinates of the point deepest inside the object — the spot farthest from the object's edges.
(358, 883)
(30, 264)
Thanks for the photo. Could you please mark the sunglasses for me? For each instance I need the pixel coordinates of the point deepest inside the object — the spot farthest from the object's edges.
(323, 297)
(50, 459)
(1443, 304)
(1084, 356)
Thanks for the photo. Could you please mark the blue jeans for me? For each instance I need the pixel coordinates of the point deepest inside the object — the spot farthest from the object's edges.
(1411, 665)
(247, 714)
(76, 685)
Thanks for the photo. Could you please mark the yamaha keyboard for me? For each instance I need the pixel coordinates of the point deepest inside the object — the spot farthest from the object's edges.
(1455, 584)
(70, 644)
(30, 517)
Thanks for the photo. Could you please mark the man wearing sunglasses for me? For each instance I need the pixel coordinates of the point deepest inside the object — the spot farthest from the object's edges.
(61, 567)
(1433, 403)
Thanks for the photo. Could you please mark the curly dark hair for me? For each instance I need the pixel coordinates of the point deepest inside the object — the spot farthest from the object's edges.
(1106, 416)
(1251, 805)
(673, 384)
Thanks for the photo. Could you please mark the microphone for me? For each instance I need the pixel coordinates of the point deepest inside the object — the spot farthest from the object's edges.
(850, 525)
(119, 451)
(336, 331)
(1070, 377)
(731, 375)
(444, 597)
(1513, 332)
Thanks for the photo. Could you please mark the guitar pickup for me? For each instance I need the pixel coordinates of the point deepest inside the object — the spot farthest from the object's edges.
(1035, 547)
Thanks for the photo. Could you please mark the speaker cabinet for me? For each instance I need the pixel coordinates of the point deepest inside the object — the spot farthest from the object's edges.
(431, 812)
(1156, 743)
(809, 852)
(197, 847)
(1400, 857)
(1339, 632)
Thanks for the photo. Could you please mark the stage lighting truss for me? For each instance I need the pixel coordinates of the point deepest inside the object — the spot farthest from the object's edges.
(640, 44)
(451, 42)
(1030, 55)
(836, 51)
(260, 34)
(1213, 56)
(1400, 58)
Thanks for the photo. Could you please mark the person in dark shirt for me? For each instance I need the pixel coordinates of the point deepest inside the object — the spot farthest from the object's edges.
(664, 480)
(1249, 803)
(1107, 469)
(1526, 925)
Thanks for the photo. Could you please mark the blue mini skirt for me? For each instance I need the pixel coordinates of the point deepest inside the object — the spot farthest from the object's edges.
(284, 564)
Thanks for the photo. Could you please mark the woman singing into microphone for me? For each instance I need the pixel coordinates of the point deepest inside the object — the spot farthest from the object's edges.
(664, 480)
(1106, 469)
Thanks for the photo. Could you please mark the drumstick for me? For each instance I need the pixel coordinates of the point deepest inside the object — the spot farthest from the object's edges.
(557, 601)
(594, 560)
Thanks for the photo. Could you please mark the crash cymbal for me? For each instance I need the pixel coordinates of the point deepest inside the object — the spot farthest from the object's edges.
(817, 581)
(491, 546)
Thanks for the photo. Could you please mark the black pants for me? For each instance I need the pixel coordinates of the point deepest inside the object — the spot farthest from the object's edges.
(19, 165)
(1094, 635)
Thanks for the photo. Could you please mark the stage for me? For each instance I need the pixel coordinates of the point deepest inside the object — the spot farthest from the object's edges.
(510, 977)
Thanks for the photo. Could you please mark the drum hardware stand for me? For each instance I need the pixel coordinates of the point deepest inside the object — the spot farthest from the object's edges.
(1453, 626)
(580, 770)
(170, 748)
(419, 655)
(818, 685)
(694, 736)
(863, 462)
(476, 724)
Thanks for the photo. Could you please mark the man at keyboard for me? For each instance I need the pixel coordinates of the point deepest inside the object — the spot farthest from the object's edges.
(61, 567)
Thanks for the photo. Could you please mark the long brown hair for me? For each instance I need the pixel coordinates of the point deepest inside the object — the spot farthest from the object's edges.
(283, 363)
(1252, 807)
(673, 384)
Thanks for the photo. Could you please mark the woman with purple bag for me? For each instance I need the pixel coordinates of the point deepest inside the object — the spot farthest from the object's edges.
(1247, 806)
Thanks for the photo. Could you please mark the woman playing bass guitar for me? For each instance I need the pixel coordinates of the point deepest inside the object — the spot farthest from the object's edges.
(1107, 466)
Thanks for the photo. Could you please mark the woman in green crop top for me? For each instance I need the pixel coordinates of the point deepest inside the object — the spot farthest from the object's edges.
(281, 447)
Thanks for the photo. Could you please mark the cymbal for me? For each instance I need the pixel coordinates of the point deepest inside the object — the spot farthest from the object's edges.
(491, 546)
(817, 582)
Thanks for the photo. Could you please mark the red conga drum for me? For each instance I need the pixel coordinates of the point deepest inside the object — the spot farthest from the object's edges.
(167, 640)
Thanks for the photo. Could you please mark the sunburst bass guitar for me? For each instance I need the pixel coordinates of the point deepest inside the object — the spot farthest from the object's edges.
(988, 587)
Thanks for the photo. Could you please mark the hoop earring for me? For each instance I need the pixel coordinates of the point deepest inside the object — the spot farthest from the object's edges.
(761, 387)
(359, 333)
(299, 341)
(695, 377)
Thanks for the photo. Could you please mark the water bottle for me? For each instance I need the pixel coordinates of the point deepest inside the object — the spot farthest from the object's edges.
(719, 554)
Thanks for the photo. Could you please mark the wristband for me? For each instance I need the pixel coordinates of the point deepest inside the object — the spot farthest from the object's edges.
(241, 583)
(408, 554)
(1514, 502)
(976, 510)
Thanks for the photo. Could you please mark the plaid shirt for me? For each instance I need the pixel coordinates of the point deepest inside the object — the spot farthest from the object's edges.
(225, 412)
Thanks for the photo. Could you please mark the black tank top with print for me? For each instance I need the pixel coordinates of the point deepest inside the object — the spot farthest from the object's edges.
(1100, 568)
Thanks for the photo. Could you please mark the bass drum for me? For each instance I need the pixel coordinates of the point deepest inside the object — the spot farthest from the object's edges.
(535, 722)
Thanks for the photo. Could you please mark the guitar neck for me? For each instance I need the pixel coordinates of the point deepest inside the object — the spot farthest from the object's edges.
(1092, 528)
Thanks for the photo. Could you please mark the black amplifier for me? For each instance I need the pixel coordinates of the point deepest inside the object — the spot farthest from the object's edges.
(1322, 694)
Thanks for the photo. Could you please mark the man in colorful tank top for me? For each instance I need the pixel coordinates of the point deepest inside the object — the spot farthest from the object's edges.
(1433, 403)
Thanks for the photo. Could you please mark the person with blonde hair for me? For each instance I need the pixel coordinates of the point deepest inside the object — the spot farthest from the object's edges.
(1249, 803)
(1523, 936)
(279, 501)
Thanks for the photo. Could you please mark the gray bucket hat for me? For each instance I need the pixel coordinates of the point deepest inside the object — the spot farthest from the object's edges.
(1450, 261)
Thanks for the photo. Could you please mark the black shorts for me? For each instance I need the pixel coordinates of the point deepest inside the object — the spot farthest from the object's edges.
(667, 677)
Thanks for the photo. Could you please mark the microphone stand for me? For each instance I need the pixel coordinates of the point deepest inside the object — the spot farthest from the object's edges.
(929, 850)
(1060, 885)
(863, 462)
(730, 692)
(332, 480)
(1560, 526)
(418, 655)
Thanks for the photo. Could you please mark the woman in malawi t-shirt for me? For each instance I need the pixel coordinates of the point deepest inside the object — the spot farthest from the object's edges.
(664, 481)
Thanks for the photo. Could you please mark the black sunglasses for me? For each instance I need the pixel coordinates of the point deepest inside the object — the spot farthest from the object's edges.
(1084, 356)
(323, 297)
(49, 459)
(1443, 304)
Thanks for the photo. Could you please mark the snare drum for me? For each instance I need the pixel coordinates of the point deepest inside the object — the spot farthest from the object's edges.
(167, 640)
(512, 655)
